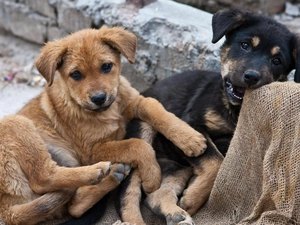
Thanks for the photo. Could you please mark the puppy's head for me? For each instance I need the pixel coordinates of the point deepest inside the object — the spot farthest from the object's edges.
(257, 51)
(88, 64)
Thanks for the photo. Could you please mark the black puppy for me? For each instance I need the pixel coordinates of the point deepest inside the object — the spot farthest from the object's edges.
(257, 51)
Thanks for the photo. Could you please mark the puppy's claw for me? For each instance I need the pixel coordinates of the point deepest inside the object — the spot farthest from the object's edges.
(107, 171)
(100, 177)
(102, 169)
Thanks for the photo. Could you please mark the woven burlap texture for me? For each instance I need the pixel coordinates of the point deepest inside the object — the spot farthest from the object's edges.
(259, 180)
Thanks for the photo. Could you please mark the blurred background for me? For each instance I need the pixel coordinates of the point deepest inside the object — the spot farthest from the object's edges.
(266, 7)
(173, 36)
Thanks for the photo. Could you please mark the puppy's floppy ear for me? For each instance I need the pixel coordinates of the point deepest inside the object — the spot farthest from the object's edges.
(50, 59)
(120, 39)
(226, 20)
(296, 54)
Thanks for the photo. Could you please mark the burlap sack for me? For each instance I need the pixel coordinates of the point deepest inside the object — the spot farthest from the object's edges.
(259, 180)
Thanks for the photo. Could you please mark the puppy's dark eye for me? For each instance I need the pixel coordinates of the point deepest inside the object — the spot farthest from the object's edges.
(245, 45)
(276, 61)
(76, 75)
(106, 67)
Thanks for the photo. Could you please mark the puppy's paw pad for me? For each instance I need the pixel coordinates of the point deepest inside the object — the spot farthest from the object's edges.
(179, 219)
(124, 168)
(119, 176)
(120, 171)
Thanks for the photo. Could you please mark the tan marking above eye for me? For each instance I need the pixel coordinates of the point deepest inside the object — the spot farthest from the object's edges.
(255, 41)
(275, 50)
(227, 67)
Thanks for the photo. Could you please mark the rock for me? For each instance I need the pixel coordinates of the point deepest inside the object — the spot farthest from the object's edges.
(23, 22)
(266, 7)
(172, 37)
(55, 32)
(43, 7)
(292, 10)
(70, 18)
(292, 25)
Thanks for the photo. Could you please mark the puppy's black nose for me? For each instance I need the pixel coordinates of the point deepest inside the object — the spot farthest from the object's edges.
(251, 77)
(99, 99)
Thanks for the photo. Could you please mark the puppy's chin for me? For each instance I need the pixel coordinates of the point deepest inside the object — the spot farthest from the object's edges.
(101, 109)
(96, 108)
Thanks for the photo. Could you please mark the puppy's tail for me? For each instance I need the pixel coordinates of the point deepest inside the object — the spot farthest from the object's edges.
(92, 216)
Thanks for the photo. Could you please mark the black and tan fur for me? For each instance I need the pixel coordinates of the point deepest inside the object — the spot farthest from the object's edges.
(257, 50)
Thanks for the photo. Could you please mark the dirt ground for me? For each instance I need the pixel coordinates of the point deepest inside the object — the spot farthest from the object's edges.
(19, 80)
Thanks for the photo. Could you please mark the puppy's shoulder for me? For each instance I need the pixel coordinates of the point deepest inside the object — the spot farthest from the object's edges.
(126, 92)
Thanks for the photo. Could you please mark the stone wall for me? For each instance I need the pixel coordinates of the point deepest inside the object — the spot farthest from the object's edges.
(172, 37)
(266, 7)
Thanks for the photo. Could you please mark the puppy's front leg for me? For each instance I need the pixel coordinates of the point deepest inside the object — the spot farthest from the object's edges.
(86, 196)
(135, 152)
(205, 169)
(191, 142)
(28, 150)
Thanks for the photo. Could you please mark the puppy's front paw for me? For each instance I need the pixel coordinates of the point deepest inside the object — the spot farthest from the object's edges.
(87, 196)
(102, 169)
(179, 219)
(193, 144)
(120, 171)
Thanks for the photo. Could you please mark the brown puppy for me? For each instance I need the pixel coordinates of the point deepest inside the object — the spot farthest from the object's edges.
(80, 122)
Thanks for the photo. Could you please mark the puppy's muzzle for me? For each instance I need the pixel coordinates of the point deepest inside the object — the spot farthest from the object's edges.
(251, 77)
(99, 99)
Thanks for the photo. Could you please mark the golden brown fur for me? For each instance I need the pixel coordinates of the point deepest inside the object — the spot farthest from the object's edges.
(59, 148)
